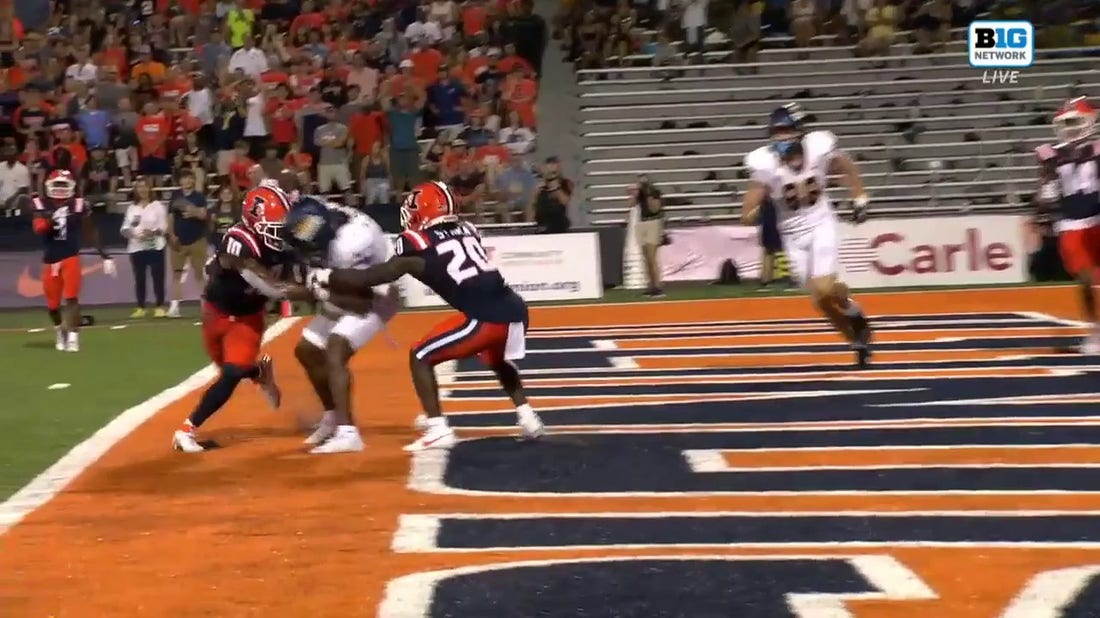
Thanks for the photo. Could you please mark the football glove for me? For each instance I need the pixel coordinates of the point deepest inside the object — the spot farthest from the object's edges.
(859, 208)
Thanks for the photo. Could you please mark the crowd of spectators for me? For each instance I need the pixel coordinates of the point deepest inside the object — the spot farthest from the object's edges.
(343, 92)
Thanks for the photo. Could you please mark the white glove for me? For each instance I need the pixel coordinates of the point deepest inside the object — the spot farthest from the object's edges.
(109, 267)
(317, 282)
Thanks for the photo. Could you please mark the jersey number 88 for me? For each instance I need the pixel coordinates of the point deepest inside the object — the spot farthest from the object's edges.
(801, 194)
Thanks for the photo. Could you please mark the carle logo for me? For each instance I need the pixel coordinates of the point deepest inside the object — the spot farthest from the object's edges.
(1001, 44)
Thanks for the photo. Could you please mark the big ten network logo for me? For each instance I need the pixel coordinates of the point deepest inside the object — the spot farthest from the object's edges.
(1001, 47)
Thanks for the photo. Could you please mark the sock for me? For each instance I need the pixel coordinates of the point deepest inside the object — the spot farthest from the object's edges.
(524, 409)
(74, 337)
(853, 309)
(214, 398)
(438, 422)
(188, 426)
(55, 317)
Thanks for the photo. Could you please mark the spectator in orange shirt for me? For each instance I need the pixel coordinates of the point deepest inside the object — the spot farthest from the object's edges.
(403, 82)
(113, 53)
(474, 17)
(309, 19)
(299, 162)
(280, 109)
(367, 127)
(146, 65)
(240, 167)
(511, 61)
(426, 62)
(153, 133)
(458, 155)
(519, 93)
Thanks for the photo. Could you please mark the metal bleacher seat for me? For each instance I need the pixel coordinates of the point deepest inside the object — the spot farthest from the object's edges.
(925, 129)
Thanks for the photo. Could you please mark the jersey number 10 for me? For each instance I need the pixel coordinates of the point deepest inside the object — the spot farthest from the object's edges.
(468, 258)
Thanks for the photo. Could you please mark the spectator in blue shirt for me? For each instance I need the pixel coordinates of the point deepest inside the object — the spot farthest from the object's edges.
(95, 124)
(404, 149)
(515, 189)
(477, 134)
(445, 101)
(188, 229)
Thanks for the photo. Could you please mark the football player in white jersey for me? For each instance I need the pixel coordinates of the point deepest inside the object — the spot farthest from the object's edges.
(327, 235)
(793, 170)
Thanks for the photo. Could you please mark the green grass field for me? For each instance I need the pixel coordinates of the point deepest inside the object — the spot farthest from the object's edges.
(122, 363)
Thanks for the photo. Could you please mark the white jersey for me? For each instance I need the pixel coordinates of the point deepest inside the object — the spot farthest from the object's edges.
(800, 199)
(359, 243)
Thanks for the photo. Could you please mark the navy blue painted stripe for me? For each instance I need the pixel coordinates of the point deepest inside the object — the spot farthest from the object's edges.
(735, 530)
(993, 343)
(945, 318)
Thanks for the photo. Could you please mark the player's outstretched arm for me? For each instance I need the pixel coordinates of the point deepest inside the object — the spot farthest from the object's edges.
(750, 205)
(263, 280)
(362, 281)
(843, 165)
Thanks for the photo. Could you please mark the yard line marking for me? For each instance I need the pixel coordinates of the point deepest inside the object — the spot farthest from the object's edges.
(54, 479)
(118, 327)
(36, 330)
(58, 386)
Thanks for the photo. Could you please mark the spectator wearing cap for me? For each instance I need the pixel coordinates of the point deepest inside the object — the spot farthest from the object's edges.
(239, 23)
(445, 99)
(519, 92)
(153, 133)
(550, 207)
(82, 69)
(188, 225)
(514, 189)
(404, 148)
(147, 65)
(516, 137)
(249, 59)
(403, 81)
(332, 164)
(99, 180)
(15, 178)
(94, 124)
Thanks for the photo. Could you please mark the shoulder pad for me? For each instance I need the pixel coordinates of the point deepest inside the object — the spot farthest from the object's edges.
(761, 159)
(819, 143)
(410, 243)
(239, 242)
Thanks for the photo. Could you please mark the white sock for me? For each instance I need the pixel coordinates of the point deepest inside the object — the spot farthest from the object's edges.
(73, 336)
(853, 309)
(438, 422)
(524, 409)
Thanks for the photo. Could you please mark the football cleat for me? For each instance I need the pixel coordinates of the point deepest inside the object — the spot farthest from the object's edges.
(72, 344)
(530, 425)
(59, 340)
(346, 439)
(174, 309)
(266, 381)
(185, 441)
(323, 431)
(438, 437)
(1090, 345)
(421, 422)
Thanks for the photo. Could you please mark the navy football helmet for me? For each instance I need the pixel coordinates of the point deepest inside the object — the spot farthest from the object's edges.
(310, 228)
(786, 122)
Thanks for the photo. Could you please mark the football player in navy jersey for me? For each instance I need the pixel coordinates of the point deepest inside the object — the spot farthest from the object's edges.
(446, 254)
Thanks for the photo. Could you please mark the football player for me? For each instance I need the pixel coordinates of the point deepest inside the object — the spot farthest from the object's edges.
(793, 170)
(60, 219)
(446, 254)
(241, 278)
(1069, 176)
(331, 236)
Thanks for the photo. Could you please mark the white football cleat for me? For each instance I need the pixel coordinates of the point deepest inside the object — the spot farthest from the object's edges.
(530, 425)
(73, 343)
(1090, 345)
(174, 309)
(346, 439)
(59, 339)
(421, 422)
(323, 431)
(185, 441)
(266, 381)
(440, 436)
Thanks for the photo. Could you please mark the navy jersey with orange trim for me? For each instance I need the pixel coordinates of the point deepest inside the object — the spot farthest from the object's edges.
(67, 219)
(457, 268)
(226, 289)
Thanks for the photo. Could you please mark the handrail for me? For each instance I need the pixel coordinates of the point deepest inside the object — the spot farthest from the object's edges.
(832, 98)
(832, 123)
(772, 89)
(729, 65)
(864, 175)
(871, 188)
(737, 168)
(849, 149)
(901, 109)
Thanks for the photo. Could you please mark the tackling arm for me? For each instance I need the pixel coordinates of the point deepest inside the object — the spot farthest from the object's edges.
(261, 278)
(362, 281)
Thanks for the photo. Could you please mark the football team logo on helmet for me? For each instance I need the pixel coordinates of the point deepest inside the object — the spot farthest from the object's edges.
(264, 211)
(429, 203)
(1075, 120)
(60, 185)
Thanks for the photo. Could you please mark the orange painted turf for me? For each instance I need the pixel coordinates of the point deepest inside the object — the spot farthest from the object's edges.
(259, 528)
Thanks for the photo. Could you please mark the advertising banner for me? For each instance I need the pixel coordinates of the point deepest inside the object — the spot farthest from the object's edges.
(963, 250)
(543, 267)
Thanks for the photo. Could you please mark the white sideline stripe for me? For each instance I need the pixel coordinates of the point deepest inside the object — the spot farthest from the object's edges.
(54, 479)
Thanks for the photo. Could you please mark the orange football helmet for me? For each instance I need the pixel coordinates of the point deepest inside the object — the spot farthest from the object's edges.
(1075, 120)
(429, 203)
(60, 185)
(264, 211)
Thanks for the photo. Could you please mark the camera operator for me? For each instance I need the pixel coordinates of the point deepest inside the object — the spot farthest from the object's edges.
(650, 230)
(550, 205)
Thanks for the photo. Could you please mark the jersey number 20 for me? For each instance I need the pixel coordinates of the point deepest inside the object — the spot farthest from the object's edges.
(468, 258)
